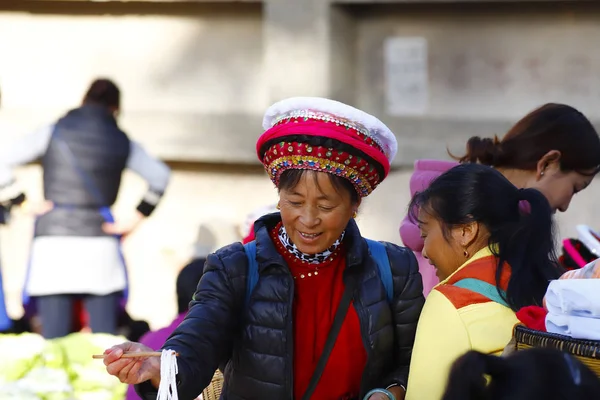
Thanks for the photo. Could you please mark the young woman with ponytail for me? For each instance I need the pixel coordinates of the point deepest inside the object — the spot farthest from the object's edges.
(492, 247)
(554, 149)
(531, 374)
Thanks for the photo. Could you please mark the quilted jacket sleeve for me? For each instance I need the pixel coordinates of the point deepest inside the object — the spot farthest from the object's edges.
(205, 336)
(406, 306)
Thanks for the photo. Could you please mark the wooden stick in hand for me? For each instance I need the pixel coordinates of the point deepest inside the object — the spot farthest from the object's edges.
(134, 354)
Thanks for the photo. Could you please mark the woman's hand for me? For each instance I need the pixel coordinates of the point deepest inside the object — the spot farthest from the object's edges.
(124, 227)
(397, 391)
(36, 209)
(132, 370)
(378, 396)
(588, 271)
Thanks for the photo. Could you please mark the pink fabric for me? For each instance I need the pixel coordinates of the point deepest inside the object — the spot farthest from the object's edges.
(427, 272)
(425, 172)
(155, 340)
(314, 128)
(573, 253)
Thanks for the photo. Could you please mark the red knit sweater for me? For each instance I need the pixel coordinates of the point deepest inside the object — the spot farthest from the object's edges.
(316, 299)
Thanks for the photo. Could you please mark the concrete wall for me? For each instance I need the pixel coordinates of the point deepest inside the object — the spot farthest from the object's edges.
(197, 76)
(191, 74)
(487, 66)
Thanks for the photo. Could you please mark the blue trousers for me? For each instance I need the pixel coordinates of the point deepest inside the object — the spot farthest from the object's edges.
(56, 313)
(5, 321)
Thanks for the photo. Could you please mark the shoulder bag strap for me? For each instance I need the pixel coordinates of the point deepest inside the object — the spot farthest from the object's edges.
(338, 320)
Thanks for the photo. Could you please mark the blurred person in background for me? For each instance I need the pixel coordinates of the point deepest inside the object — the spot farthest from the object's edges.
(131, 328)
(76, 250)
(554, 149)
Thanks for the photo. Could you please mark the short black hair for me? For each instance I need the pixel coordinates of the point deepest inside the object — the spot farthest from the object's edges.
(103, 92)
(187, 283)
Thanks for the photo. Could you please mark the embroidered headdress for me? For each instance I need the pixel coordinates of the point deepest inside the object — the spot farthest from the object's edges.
(328, 136)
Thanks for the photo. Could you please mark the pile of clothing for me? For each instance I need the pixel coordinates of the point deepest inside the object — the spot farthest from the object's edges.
(32, 368)
(571, 305)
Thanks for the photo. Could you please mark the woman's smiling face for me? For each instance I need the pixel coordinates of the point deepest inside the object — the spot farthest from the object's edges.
(314, 212)
(448, 250)
(440, 252)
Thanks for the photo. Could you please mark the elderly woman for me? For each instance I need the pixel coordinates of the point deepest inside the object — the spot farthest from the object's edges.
(296, 335)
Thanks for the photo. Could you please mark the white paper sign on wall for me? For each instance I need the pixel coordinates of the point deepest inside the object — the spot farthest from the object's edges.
(406, 76)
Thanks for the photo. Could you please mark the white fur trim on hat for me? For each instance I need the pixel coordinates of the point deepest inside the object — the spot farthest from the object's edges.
(376, 129)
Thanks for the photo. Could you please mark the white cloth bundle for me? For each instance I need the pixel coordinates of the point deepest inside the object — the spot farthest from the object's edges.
(573, 326)
(574, 308)
(167, 389)
(578, 297)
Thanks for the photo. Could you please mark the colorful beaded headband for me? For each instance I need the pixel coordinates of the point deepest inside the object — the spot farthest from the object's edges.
(350, 149)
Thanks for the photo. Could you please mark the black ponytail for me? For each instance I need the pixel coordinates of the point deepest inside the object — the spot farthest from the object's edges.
(467, 380)
(520, 223)
(529, 249)
(524, 375)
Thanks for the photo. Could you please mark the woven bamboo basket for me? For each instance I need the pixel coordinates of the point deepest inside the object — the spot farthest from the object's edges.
(587, 351)
(213, 391)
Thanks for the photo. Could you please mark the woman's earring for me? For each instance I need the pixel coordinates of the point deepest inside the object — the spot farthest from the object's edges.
(278, 207)
(354, 215)
(466, 253)
(542, 173)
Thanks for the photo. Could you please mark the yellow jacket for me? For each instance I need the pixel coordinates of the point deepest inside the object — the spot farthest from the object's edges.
(455, 320)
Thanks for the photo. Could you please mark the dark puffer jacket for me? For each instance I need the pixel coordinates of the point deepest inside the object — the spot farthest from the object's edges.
(260, 338)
